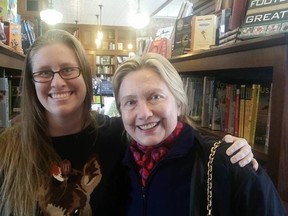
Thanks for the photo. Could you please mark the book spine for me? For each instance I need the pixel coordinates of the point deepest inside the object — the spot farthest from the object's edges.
(219, 105)
(207, 100)
(197, 101)
(242, 110)
(253, 115)
(231, 121)
(269, 118)
(237, 109)
(248, 93)
(262, 115)
(228, 98)
(238, 12)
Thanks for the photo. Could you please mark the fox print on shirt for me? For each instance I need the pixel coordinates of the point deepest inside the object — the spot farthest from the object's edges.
(72, 195)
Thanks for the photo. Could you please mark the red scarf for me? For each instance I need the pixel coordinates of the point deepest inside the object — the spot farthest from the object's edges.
(146, 157)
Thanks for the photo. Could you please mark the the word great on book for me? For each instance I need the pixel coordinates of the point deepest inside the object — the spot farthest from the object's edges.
(280, 14)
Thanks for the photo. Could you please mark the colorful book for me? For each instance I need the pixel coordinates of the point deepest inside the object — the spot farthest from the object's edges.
(161, 46)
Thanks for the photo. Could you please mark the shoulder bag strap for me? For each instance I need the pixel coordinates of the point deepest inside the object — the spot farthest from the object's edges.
(210, 176)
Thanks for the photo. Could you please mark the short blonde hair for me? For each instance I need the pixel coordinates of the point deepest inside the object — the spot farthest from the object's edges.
(162, 67)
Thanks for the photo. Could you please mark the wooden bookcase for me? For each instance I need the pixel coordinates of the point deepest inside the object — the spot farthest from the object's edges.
(10, 59)
(261, 59)
(114, 44)
(11, 62)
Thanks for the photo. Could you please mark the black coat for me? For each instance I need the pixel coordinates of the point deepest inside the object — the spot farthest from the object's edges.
(177, 185)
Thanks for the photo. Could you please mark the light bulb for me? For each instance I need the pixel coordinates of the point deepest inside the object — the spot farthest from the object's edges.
(98, 43)
(130, 46)
(139, 20)
(51, 16)
(100, 35)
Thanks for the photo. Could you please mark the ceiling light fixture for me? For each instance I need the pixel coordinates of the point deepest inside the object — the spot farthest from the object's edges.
(50, 15)
(99, 35)
(139, 20)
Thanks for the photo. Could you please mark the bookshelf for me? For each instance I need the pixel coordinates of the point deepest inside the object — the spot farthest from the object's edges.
(11, 62)
(10, 59)
(114, 44)
(257, 60)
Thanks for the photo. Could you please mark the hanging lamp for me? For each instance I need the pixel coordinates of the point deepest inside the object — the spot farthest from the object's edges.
(98, 36)
(100, 33)
(139, 20)
(50, 15)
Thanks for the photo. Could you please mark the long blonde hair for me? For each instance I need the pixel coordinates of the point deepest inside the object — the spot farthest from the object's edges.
(26, 152)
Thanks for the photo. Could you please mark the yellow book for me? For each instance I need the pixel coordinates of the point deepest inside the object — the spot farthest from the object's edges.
(254, 109)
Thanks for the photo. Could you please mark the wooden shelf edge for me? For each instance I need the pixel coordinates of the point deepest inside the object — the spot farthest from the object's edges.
(4, 49)
(252, 44)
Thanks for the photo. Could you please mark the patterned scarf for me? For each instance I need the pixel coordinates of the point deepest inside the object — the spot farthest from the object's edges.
(146, 157)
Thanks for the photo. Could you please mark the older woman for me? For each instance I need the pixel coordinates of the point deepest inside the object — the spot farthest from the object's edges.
(167, 159)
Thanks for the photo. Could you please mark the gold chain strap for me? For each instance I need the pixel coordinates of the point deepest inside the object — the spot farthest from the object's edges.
(209, 177)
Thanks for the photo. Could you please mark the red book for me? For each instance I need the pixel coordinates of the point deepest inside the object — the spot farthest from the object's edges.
(238, 13)
(160, 46)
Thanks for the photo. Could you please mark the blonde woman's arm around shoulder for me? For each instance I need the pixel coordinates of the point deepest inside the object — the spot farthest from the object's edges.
(242, 151)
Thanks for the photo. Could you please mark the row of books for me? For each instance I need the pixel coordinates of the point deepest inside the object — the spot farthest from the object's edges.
(105, 60)
(235, 21)
(239, 109)
(206, 24)
(176, 40)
